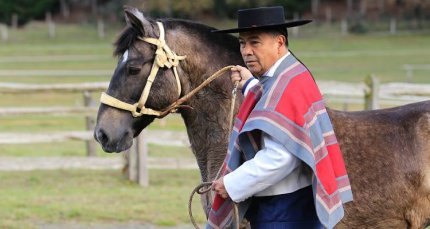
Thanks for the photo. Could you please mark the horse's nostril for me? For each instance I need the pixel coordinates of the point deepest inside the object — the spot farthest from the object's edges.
(126, 134)
(102, 136)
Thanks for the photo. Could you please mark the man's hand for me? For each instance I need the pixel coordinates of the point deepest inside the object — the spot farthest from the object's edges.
(240, 74)
(219, 188)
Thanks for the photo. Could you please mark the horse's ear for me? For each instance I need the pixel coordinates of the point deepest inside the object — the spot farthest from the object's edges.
(136, 19)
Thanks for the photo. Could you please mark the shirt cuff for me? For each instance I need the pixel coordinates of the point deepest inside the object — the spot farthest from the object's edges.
(227, 186)
(230, 185)
(248, 85)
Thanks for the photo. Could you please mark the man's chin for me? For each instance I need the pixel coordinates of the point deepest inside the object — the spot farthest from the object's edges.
(253, 69)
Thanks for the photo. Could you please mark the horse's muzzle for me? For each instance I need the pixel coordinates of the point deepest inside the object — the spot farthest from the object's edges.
(113, 143)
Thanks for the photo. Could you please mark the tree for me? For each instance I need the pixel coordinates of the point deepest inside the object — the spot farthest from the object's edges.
(26, 9)
(219, 8)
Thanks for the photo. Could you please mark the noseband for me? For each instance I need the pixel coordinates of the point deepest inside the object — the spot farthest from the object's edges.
(164, 57)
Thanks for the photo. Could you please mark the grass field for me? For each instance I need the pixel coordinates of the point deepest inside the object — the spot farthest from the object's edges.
(39, 197)
(30, 198)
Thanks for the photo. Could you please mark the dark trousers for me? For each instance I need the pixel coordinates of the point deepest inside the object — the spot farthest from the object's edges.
(287, 211)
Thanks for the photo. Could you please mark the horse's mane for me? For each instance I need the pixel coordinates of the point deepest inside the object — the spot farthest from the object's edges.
(130, 34)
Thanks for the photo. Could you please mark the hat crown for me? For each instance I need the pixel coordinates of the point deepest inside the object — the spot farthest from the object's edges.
(263, 16)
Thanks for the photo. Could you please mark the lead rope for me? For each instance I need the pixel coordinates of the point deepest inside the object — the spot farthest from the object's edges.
(206, 186)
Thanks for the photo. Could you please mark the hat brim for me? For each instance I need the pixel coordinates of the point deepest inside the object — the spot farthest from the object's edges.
(285, 25)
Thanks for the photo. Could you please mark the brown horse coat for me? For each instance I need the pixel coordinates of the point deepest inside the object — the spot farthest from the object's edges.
(387, 154)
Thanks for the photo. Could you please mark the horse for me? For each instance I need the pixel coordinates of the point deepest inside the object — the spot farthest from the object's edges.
(386, 151)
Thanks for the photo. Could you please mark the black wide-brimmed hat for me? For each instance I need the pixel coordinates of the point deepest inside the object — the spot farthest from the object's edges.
(262, 18)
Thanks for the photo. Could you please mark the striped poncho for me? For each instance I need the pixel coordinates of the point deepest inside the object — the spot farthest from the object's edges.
(290, 108)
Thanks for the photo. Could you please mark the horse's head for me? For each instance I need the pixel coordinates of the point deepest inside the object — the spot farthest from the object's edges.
(150, 77)
(144, 83)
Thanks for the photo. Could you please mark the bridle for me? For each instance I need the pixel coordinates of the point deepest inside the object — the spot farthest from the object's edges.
(164, 57)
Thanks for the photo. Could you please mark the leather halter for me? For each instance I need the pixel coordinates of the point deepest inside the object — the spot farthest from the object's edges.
(164, 57)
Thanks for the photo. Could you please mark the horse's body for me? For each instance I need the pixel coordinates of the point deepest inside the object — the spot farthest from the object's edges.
(387, 155)
(386, 151)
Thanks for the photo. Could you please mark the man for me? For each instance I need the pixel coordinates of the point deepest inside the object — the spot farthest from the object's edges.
(284, 166)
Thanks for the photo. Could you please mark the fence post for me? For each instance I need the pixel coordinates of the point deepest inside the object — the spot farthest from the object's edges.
(132, 162)
(409, 72)
(90, 125)
(393, 26)
(14, 23)
(101, 28)
(344, 27)
(4, 32)
(138, 161)
(371, 100)
(142, 153)
(50, 24)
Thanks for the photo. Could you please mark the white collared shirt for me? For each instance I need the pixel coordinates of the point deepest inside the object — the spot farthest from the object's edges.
(269, 73)
(273, 170)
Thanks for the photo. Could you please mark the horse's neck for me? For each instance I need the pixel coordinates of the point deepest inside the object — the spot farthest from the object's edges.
(207, 123)
(208, 127)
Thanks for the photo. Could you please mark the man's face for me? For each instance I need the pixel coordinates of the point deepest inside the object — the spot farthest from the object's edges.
(260, 50)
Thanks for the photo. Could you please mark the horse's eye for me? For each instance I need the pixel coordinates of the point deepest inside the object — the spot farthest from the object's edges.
(132, 70)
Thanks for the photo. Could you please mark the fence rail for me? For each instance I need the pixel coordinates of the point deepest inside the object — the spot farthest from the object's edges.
(88, 110)
(169, 138)
(9, 111)
(23, 88)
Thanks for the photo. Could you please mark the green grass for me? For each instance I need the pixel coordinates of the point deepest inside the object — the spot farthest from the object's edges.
(352, 58)
(31, 198)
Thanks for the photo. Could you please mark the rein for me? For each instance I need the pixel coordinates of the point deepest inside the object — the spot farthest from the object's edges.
(199, 190)
(207, 185)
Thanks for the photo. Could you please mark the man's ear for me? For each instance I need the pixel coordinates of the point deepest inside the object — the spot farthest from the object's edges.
(136, 19)
(282, 40)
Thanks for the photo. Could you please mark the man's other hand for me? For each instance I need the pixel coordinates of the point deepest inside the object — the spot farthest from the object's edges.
(219, 188)
(240, 74)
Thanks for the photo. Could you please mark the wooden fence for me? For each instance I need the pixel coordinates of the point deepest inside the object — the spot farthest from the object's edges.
(370, 93)
(137, 156)
(89, 108)
(409, 68)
